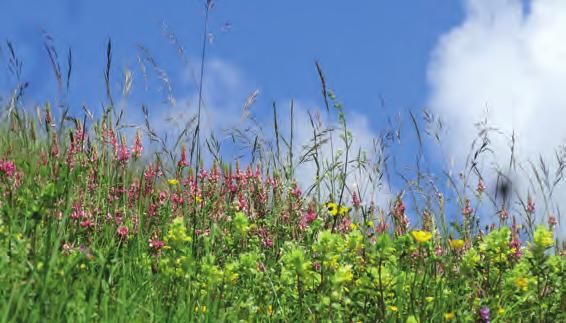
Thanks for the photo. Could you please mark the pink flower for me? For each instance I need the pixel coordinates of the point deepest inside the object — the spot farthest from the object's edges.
(316, 266)
(382, 227)
(138, 148)
(530, 205)
(552, 221)
(296, 192)
(481, 187)
(468, 209)
(200, 232)
(155, 244)
(503, 214)
(310, 216)
(123, 153)
(67, 248)
(183, 161)
(54, 147)
(7, 168)
(122, 232)
(267, 242)
(86, 223)
(356, 202)
(242, 203)
(399, 209)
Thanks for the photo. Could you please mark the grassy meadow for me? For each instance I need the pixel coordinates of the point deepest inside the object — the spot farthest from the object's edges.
(104, 222)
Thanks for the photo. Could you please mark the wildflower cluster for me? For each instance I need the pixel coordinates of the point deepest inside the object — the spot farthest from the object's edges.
(102, 226)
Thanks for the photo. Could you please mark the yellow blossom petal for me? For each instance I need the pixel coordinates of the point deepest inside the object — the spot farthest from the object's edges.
(449, 316)
(522, 282)
(456, 244)
(421, 236)
(332, 208)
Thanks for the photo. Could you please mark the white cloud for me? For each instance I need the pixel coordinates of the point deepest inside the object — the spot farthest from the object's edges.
(507, 63)
(225, 90)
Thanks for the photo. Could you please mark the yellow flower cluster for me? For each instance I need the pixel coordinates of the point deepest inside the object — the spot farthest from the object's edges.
(335, 209)
(522, 283)
(421, 236)
(543, 237)
(456, 244)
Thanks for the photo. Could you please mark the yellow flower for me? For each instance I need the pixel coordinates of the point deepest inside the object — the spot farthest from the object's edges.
(344, 210)
(421, 236)
(198, 199)
(543, 237)
(172, 181)
(344, 275)
(449, 316)
(501, 311)
(234, 277)
(270, 310)
(332, 208)
(393, 308)
(456, 244)
(522, 282)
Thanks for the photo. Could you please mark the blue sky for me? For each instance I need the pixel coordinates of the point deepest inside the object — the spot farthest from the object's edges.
(370, 50)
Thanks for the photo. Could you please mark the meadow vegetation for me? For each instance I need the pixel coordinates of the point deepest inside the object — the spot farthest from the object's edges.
(99, 222)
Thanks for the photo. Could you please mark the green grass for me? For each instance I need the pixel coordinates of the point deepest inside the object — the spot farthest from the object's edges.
(91, 232)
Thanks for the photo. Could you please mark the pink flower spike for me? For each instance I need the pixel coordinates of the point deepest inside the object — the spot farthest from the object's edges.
(155, 244)
(122, 232)
(123, 153)
(530, 205)
(138, 148)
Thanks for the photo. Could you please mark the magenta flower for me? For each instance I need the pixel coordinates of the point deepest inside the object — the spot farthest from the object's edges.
(468, 209)
(316, 266)
(122, 232)
(530, 205)
(183, 161)
(296, 192)
(86, 223)
(267, 242)
(503, 214)
(484, 314)
(155, 244)
(356, 202)
(552, 221)
(123, 154)
(481, 187)
(7, 168)
(138, 148)
(310, 216)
